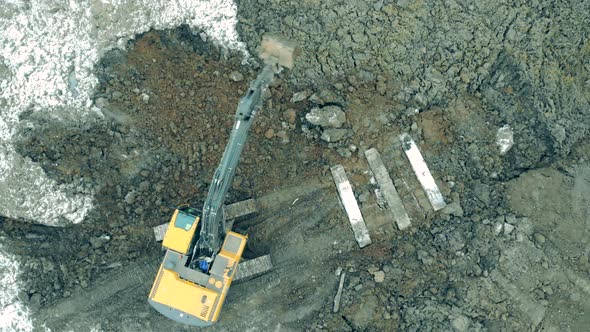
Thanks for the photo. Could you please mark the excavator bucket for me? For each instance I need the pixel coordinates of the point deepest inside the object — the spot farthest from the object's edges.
(277, 49)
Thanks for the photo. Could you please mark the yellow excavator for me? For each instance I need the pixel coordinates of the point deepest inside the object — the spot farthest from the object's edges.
(201, 255)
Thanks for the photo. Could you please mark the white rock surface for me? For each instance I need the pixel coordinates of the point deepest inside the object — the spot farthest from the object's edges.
(14, 316)
(48, 49)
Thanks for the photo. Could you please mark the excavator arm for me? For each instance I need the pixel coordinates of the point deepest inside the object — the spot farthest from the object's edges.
(213, 222)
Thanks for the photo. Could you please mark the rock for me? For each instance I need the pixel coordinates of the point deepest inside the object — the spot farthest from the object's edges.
(344, 152)
(372, 269)
(101, 102)
(424, 257)
(35, 301)
(48, 265)
(314, 98)
(453, 209)
(22, 296)
(116, 95)
(130, 197)
(329, 116)
(508, 228)
(299, 96)
(379, 276)
(420, 99)
(173, 127)
(539, 238)
(98, 241)
(482, 192)
(511, 219)
(236, 76)
(460, 323)
(270, 133)
(334, 135)
(364, 196)
(290, 116)
(283, 136)
(498, 228)
(144, 185)
(145, 98)
(456, 240)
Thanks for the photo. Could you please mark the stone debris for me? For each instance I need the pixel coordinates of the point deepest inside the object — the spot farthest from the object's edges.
(299, 96)
(539, 238)
(504, 139)
(236, 76)
(332, 135)
(99, 241)
(508, 228)
(344, 152)
(351, 207)
(290, 116)
(498, 228)
(422, 172)
(328, 116)
(460, 323)
(130, 197)
(270, 133)
(388, 190)
(379, 276)
(453, 209)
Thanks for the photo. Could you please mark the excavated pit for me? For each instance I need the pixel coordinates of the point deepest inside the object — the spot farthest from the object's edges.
(497, 260)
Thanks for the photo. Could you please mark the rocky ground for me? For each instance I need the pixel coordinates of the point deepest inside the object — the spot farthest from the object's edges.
(510, 252)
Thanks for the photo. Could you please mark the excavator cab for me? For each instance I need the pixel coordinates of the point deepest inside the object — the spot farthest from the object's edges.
(193, 296)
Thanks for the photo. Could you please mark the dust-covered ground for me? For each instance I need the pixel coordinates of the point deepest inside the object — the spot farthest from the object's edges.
(509, 252)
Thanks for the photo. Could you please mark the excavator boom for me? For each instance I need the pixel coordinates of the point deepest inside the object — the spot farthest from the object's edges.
(212, 218)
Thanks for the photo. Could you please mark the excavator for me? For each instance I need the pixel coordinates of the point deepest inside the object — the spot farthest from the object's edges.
(202, 256)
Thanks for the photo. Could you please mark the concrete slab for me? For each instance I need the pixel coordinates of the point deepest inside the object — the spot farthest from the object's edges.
(422, 172)
(388, 190)
(359, 228)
